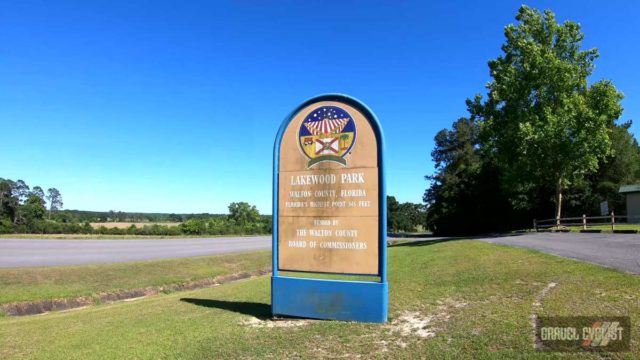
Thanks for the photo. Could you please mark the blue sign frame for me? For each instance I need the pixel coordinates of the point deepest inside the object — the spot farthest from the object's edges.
(364, 301)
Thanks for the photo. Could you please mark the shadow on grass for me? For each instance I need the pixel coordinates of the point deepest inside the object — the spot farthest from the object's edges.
(403, 235)
(439, 240)
(427, 242)
(258, 310)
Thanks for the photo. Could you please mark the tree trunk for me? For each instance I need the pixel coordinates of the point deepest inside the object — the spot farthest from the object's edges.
(558, 201)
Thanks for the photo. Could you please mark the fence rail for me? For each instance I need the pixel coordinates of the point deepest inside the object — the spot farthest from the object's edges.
(586, 221)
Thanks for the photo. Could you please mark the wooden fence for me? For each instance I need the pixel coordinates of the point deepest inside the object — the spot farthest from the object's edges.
(584, 222)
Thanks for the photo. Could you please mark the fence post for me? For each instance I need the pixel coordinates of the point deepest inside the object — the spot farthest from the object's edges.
(613, 221)
(584, 222)
(535, 225)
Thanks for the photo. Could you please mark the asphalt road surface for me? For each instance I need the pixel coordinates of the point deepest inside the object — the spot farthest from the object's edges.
(619, 251)
(52, 252)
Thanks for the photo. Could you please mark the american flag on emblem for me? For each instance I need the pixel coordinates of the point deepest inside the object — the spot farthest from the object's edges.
(326, 126)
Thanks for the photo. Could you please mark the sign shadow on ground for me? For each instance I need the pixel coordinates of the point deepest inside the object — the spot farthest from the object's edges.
(258, 310)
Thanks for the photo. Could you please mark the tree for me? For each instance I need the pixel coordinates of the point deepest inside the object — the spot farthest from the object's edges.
(457, 164)
(343, 140)
(37, 191)
(55, 200)
(21, 191)
(31, 211)
(243, 214)
(621, 167)
(8, 202)
(415, 214)
(194, 227)
(544, 124)
(393, 213)
(404, 216)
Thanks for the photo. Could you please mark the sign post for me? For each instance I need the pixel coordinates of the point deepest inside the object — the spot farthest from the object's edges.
(329, 212)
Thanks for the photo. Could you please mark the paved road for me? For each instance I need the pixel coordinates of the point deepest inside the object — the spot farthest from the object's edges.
(620, 251)
(51, 252)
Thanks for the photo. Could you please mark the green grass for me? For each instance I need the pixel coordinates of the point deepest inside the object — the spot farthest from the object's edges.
(38, 283)
(603, 228)
(494, 287)
(607, 228)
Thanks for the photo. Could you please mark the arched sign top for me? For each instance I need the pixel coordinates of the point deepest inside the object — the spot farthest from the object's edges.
(329, 211)
(342, 101)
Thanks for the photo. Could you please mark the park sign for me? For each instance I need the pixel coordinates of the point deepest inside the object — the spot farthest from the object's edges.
(329, 212)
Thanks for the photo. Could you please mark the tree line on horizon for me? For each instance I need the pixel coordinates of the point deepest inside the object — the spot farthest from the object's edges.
(31, 211)
(28, 210)
(543, 143)
(405, 217)
(22, 207)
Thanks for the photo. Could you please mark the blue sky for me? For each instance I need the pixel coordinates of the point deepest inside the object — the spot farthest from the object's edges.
(163, 106)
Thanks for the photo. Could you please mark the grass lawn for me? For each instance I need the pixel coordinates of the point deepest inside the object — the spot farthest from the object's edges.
(476, 301)
(607, 228)
(39, 283)
(603, 228)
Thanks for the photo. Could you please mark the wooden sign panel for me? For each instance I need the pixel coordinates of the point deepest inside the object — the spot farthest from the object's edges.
(328, 192)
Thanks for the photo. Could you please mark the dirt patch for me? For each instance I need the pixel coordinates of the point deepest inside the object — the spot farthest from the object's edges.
(538, 301)
(416, 324)
(537, 306)
(44, 306)
(39, 307)
(275, 323)
(234, 277)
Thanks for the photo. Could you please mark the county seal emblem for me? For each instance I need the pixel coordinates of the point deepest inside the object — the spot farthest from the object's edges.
(327, 134)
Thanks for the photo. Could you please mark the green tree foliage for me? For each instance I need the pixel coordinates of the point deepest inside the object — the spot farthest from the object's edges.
(31, 211)
(28, 216)
(404, 217)
(622, 166)
(457, 165)
(37, 191)
(8, 202)
(55, 200)
(393, 214)
(544, 123)
(542, 134)
(243, 214)
(21, 210)
(20, 190)
(464, 191)
(194, 227)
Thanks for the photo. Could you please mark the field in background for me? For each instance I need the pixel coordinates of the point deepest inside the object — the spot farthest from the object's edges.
(463, 299)
(126, 225)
